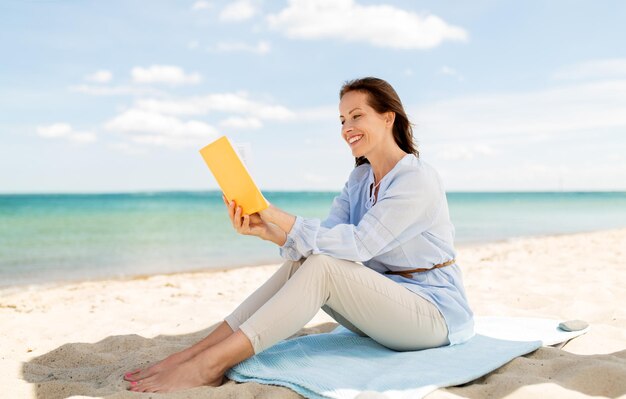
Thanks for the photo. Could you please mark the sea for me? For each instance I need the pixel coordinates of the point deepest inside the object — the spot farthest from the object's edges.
(64, 237)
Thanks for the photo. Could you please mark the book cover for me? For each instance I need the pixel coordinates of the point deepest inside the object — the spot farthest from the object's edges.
(232, 176)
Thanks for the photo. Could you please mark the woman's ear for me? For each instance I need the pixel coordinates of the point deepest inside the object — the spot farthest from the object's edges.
(390, 117)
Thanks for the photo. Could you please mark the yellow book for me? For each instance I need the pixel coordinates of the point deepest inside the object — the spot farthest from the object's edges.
(233, 176)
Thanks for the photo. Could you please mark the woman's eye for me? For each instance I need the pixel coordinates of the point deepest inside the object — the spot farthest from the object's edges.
(356, 116)
(342, 122)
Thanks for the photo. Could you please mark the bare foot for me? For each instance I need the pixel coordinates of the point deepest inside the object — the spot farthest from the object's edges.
(169, 362)
(189, 374)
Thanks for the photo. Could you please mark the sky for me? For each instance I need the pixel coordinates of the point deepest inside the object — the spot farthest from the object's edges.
(119, 96)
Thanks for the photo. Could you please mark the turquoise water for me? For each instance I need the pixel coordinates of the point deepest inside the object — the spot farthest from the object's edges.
(74, 237)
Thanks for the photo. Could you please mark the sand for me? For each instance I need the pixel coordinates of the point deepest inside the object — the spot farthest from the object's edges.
(77, 339)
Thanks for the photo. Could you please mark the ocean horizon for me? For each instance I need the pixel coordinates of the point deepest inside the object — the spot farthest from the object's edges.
(69, 236)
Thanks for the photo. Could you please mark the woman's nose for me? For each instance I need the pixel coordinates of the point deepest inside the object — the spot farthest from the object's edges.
(346, 128)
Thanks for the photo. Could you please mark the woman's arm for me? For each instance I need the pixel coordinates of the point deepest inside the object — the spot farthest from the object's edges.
(279, 218)
(339, 213)
(254, 225)
(409, 204)
(276, 235)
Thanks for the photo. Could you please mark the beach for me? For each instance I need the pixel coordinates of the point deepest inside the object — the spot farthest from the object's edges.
(76, 339)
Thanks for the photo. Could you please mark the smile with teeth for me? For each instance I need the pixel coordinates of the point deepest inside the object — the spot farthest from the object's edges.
(354, 139)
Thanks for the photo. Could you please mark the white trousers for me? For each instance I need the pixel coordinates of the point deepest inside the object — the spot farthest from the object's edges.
(362, 300)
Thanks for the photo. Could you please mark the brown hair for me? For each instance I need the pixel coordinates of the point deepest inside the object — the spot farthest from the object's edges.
(383, 98)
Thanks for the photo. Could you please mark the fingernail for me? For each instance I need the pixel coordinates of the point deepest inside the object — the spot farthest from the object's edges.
(133, 383)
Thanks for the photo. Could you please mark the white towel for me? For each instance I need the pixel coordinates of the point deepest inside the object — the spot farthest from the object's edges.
(341, 364)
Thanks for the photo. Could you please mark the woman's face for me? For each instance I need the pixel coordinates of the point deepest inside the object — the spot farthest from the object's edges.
(363, 128)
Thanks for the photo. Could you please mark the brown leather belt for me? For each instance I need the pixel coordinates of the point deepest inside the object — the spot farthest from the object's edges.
(408, 273)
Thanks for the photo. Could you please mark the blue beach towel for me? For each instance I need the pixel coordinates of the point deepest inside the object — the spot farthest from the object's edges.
(341, 364)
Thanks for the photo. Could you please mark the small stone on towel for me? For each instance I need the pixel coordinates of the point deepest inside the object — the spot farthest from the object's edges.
(573, 325)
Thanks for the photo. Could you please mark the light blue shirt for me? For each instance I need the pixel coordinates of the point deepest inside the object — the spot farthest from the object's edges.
(407, 228)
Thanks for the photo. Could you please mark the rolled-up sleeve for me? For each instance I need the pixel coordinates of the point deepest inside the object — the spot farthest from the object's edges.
(339, 214)
(410, 203)
(340, 209)
(288, 250)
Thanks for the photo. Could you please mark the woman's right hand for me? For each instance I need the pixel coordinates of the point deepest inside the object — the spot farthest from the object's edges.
(246, 224)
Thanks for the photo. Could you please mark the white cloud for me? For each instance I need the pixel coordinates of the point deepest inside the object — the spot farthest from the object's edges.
(609, 68)
(446, 70)
(135, 120)
(55, 130)
(160, 122)
(174, 142)
(537, 175)
(192, 45)
(563, 137)
(66, 132)
(261, 48)
(532, 114)
(201, 5)
(114, 90)
(126, 148)
(169, 74)
(83, 137)
(320, 113)
(101, 76)
(149, 127)
(315, 178)
(484, 149)
(379, 25)
(237, 103)
(238, 11)
(241, 123)
(467, 152)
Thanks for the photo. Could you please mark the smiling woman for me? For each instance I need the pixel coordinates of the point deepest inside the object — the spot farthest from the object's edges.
(382, 263)
(380, 97)
(374, 105)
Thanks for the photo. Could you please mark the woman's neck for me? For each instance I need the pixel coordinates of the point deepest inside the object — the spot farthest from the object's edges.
(382, 164)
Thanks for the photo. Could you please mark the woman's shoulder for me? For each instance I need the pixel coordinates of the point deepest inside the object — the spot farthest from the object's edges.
(359, 174)
(416, 172)
(411, 170)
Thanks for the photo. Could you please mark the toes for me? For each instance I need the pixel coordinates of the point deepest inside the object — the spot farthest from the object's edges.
(135, 375)
(132, 375)
(147, 388)
(140, 375)
(137, 387)
(148, 381)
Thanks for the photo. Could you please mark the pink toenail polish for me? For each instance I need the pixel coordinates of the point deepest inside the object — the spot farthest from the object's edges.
(133, 383)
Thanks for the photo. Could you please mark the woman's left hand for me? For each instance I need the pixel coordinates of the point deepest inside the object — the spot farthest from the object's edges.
(246, 224)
